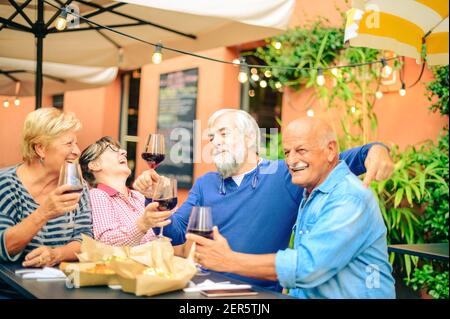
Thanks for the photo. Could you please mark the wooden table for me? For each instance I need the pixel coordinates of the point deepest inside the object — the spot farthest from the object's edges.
(30, 288)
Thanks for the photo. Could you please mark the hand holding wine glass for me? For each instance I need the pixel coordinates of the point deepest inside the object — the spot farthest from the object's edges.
(165, 194)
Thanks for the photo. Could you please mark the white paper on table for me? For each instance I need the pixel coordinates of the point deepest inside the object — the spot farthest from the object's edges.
(210, 285)
(44, 274)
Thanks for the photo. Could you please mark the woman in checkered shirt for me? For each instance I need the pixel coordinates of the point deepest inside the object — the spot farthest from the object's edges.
(117, 212)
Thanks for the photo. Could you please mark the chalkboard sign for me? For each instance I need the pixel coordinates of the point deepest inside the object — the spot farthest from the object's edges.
(176, 113)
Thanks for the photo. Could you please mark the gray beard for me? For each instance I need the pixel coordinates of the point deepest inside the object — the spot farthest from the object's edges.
(226, 167)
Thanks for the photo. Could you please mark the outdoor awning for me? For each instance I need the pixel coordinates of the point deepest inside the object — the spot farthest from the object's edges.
(57, 77)
(401, 26)
(196, 25)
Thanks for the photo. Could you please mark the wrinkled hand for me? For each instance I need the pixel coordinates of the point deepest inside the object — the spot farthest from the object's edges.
(43, 256)
(58, 203)
(153, 217)
(144, 183)
(378, 163)
(213, 254)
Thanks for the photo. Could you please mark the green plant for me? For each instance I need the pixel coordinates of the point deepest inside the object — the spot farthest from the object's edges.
(438, 88)
(320, 46)
(436, 281)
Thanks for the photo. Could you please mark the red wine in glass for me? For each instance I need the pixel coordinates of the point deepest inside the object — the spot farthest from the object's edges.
(207, 233)
(166, 203)
(74, 190)
(165, 194)
(154, 152)
(153, 160)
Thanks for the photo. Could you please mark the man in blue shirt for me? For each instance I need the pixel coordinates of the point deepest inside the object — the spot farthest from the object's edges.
(254, 203)
(339, 246)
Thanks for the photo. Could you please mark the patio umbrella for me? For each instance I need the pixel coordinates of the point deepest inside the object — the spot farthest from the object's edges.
(402, 26)
(185, 25)
(17, 77)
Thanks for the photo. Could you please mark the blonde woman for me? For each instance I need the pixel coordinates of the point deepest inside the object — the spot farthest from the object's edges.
(33, 209)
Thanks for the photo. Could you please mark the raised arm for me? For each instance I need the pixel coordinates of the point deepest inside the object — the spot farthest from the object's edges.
(372, 159)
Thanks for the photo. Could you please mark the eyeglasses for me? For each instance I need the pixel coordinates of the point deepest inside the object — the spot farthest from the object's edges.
(97, 149)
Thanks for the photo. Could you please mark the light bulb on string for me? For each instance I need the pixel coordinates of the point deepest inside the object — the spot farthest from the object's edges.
(378, 94)
(251, 93)
(5, 103)
(310, 112)
(243, 70)
(353, 109)
(263, 84)
(253, 71)
(268, 73)
(61, 20)
(236, 62)
(277, 45)
(157, 55)
(255, 77)
(386, 70)
(402, 91)
(278, 85)
(320, 80)
(16, 101)
(335, 72)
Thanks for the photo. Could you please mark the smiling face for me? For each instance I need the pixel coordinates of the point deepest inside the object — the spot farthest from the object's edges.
(60, 149)
(230, 149)
(113, 161)
(310, 154)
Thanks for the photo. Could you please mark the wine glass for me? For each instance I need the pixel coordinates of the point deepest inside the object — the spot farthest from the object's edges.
(70, 174)
(165, 193)
(200, 223)
(155, 150)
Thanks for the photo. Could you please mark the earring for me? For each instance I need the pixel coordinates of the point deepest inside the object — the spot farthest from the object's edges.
(41, 160)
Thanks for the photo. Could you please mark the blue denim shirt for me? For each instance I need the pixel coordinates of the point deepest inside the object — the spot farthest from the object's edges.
(340, 248)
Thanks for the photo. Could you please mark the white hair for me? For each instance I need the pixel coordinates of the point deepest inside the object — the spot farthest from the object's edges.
(245, 123)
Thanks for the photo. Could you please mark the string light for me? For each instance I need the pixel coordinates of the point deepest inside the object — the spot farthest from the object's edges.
(157, 55)
(263, 83)
(251, 93)
(255, 77)
(277, 45)
(254, 71)
(267, 73)
(61, 20)
(378, 94)
(402, 91)
(335, 72)
(5, 103)
(386, 70)
(243, 76)
(278, 85)
(320, 78)
(16, 102)
(310, 113)
(353, 109)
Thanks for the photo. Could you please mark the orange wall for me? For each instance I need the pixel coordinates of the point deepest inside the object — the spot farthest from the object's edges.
(11, 123)
(98, 110)
(217, 88)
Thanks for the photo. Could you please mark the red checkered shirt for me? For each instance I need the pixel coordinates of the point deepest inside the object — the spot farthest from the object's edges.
(114, 217)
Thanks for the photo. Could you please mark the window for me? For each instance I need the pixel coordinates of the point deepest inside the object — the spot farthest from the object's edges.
(131, 82)
(58, 101)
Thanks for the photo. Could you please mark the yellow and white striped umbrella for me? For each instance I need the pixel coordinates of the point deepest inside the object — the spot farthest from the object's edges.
(401, 26)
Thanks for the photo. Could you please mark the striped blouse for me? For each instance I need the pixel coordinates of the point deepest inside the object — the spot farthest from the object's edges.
(16, 204)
